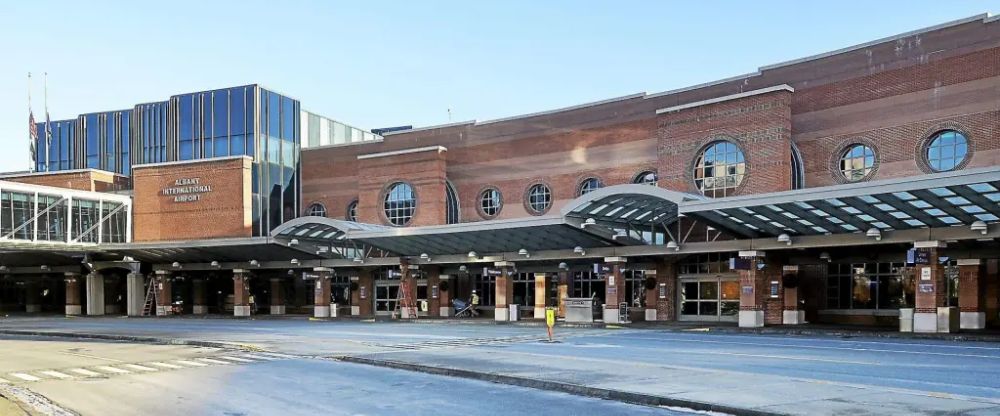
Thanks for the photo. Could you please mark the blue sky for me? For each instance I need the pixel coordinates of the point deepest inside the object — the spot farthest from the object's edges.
(387, 63)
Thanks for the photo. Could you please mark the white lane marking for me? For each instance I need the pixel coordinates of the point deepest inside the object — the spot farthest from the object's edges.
(25, 377)
(56, 374)
(211, 361)
(260, 357)
(165, 365)
(139, 367)
(277, 355)
(85, 372)
(108, 369)
(191, 363)
(237, 359)
(816, 347)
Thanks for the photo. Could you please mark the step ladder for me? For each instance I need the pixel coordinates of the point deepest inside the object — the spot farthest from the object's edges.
(404, 302)
(149, 305)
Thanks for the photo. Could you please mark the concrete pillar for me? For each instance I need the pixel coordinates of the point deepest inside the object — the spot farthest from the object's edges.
(661, 301)
(73, 305)
(95, 294)
(504, 290)
(361, 299)
(614, 290)
(277, 297)
(31, 292)
(321, 301)
(563, 291)
(752, 291)
(135, 294)
(541, 295)
(931, 294)
(164, 292)
(433, 275)
(408, 288)
(791, 315)
(241, 292)
(970, 294)
(445, 288)
(112, 294)
(199, 296)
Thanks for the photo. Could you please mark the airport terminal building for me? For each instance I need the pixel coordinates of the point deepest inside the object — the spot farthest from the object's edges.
(859, 186)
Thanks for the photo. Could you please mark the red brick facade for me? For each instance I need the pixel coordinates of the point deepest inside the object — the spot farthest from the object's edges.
(81, 180)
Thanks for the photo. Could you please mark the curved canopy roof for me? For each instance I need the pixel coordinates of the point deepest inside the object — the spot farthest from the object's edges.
(629, 205)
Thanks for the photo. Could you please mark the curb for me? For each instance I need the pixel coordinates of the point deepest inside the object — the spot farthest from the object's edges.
(131, 338)
(557, 386)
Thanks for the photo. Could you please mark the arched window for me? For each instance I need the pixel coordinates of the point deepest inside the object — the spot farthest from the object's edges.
(588, 185)
(400, 204)
(798, 170)
(719, 169)
(857, 162)
(451, 201)
(352, 211)
(539, 198)
(316, 210)
(946, 150)
(647, 177)
(490, 202)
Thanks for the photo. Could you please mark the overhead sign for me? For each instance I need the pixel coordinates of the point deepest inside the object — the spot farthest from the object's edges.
(187, 190)
(918, 256)
(394, 273)
(739, 263)
(491, 272)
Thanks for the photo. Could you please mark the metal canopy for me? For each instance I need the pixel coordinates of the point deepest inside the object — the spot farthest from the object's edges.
(937, 200)
(205, 251)
(537, 233)
(322, 229)
(629, 206)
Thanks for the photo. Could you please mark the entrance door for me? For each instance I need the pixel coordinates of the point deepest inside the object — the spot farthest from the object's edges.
(709, 298)
(386, 295)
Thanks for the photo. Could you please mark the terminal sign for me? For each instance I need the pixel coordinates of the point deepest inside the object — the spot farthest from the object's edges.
(187, 190)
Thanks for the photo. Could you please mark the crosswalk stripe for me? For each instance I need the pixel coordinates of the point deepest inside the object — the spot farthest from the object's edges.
(165, 365)
(237, 359)
(25, 377)
(113, 370)
(276, 355)
(85, 372)
(260, 357)
(56, 374)
(139, 367)
(191, 363)
(211, 361)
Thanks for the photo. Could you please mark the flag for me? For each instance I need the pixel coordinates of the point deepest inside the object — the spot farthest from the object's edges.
(33, 136)
(48, 137)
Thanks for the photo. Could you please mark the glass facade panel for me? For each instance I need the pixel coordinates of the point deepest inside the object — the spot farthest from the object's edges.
(886, 285)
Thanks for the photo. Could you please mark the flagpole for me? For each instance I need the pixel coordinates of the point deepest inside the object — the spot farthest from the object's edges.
(48, 129)
(31, 137)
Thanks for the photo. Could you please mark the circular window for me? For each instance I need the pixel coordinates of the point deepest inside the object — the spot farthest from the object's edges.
(539, 198)
(316, 210)
(352, 211)
(400, 203)
(589, 185)
(646, 178)
(857, 162)
(946, 150)
(490, 202)
(719, 169)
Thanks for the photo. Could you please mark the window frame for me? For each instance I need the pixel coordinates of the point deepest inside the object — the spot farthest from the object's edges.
(311, 209)
(928, 144)
(842, 157)
(482, 199)
(700, 165)
(528, 195)
(387, 193)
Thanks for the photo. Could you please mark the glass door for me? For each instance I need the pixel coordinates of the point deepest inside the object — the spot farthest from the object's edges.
(386, 294)
(709, 298)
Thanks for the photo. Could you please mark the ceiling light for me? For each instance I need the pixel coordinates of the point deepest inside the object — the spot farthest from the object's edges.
(785, 238)
(980, 226)
(874, 233)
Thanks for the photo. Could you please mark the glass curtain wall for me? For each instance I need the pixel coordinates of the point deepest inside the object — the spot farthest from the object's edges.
(53, 214)
(59, 155)
(884, 285)
(150, 131)
(105, 141)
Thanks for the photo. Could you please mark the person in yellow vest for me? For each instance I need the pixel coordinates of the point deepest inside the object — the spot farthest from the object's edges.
(475, 304)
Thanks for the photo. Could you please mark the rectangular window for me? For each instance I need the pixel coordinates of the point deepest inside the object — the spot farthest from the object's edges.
(237, 112)
(220, 120)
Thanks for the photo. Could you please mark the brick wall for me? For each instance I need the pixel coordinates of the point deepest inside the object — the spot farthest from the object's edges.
(424, 171)
(82, 180)
(224, 211)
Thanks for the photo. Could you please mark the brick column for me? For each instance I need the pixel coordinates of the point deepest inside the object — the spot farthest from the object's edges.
(541, 292)
(321, 293)
(164, 292)
(73, 305)
(433, 290)
(752, 291)
(277, 296)
(661, 301)
(563, 291)
(931, 294)
(970, 294)
(504, 290)
(791, 315)
(446, 286)
(408, 290)
(199, 297)
(95, 294)
(362, 300)
(241, 292)
(135, 294)
(614, 290)
(31, 290)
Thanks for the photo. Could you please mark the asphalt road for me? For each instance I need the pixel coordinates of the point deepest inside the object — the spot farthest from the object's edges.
(797, 375)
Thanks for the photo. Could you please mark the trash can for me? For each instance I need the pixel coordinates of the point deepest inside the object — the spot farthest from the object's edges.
(333, 310)
(515, 312)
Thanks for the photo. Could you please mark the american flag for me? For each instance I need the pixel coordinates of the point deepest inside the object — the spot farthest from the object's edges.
(33, 136)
